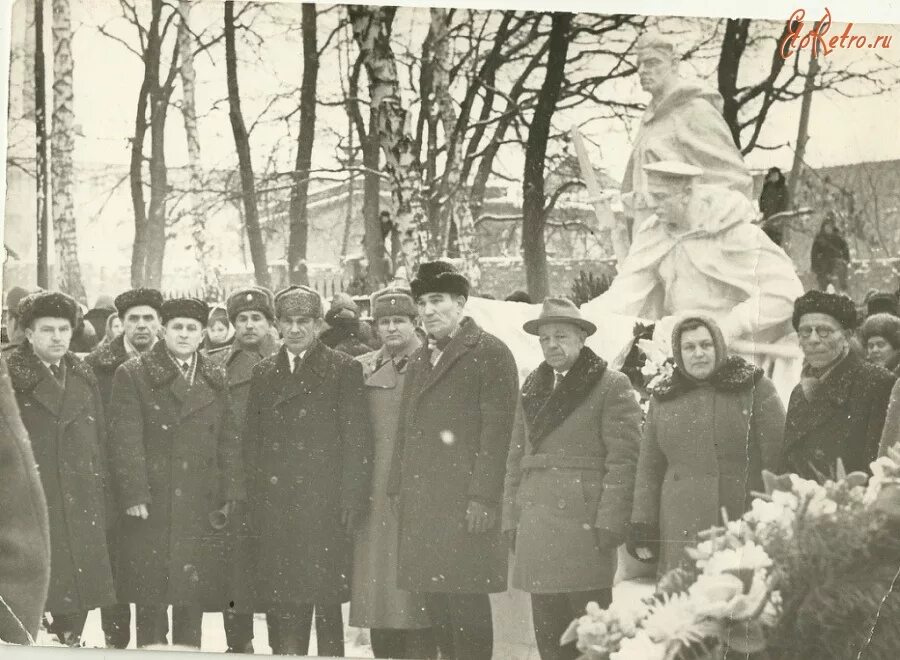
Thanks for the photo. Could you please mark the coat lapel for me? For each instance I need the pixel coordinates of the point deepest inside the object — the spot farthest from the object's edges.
(467, 337)
(76, 393)
(810, 416)
(49, 393)
(304, 381)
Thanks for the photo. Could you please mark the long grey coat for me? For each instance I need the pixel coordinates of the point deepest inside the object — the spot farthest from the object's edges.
(68, 434)
(456, 422)
(176, 449)
(704, 449)
(578, 478)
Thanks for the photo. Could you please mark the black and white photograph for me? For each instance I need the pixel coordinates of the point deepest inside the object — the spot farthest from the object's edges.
(463, 332)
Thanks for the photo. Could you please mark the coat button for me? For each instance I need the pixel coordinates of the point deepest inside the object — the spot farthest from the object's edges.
(561, 504)
(275, 446)
(302, 413)
(273, 480)
(177, 492)
(165, 427)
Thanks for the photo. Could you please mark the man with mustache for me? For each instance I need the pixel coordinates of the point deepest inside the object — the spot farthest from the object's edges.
(62, 411)
(139, 311)
(251, 312)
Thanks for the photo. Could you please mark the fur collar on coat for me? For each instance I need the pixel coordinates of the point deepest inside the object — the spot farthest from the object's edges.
(161, 370)
(26, 370)
(545, 408)
(735, 375)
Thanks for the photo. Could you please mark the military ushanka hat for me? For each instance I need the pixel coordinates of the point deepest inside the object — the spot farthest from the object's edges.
(251, 299)
(393, 301)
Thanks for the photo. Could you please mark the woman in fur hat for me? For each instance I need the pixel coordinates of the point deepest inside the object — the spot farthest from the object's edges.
(880, 335)
(712, 427)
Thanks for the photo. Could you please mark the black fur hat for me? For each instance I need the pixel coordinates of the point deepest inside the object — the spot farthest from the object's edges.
(137, 297)
(47, 303)
(439, 277)
(188, 308)
(839, 307)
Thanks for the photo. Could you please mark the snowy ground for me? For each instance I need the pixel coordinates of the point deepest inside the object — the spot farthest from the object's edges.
(513, 638)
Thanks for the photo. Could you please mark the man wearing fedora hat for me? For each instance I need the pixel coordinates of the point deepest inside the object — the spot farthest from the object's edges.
(455, 423)
(569, 475)
(177, 468)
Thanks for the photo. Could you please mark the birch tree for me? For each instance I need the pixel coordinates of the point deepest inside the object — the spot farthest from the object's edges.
(42, 174)
(188, 79)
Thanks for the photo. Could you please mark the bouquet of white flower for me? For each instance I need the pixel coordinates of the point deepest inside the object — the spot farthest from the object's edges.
(747, 583)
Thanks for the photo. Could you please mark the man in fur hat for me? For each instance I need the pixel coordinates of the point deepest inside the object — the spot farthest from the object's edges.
(61, 409)
(309, 448)
(139, 311)
(572, 462)
(457, 414)
(838, 408)
(177, 468)
(252, 314)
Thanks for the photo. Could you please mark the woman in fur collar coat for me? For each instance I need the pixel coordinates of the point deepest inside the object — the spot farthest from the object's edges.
(711, 429)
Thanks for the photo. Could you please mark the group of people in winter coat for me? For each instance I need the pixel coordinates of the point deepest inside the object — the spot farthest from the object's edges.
(289, 479)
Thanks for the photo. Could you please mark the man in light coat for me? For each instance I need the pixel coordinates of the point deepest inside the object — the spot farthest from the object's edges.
(455, 424)
(570, 476)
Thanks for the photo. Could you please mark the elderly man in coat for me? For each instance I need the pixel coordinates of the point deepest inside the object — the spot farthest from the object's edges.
(139, 311)
(24, 530)
(252, 313)
(62, 410)
(309, 443)
(569, 475)
(455, 424)
(838, 408)
(399, 627)
(177, 467)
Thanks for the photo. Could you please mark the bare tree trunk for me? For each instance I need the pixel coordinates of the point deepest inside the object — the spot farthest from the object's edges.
(533, 196)
(192, 132)
(372, 32)
(734, 43)
(798, 240)
(453, 197)
(368, 138)
(351, 188)
(299, 231)
(68, 268)
(42, 177)
(242, 144)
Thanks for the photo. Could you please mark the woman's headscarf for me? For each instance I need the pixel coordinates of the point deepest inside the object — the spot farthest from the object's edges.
(690, 323)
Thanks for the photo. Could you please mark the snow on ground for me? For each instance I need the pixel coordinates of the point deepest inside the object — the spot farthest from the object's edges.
(513, 637)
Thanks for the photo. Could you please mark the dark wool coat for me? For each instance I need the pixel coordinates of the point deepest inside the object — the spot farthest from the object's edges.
(704, 448)
(104, 360)
(311, 456)
(455, 426)
(239, 363)
(845, 420)
(24, 530)
(176, 449)
(68, 434)
(570, 471)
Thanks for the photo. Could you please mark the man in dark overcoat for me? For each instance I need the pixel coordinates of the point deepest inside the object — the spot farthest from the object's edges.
(61, 408)
(309, 444)
(251, 312)
(449, 462)
(838, 408)
(24, 531)
(139, 311)
(570, 476)
(177, 468)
